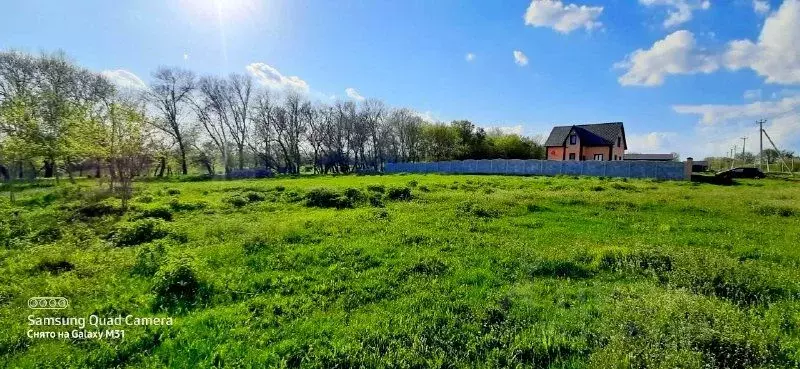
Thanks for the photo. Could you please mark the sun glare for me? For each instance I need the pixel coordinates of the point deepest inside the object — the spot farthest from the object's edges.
(221, 10)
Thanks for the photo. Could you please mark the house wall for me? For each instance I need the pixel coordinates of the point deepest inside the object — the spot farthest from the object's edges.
(618, 151)
(555, 153)
(572, 149)
(589, 152)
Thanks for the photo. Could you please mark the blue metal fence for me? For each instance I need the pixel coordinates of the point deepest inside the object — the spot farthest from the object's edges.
(629, 169)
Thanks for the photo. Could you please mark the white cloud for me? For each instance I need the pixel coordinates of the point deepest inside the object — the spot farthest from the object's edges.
(776, 54)
(719, 114)
(562, 18)
(124, 79)
(470, 57)
(752, 94)
(652, 143)
(520, 58)
(270, 77)
(185, 56)
(353, 94)
(761, 6)
(675, 54)
(680, 11)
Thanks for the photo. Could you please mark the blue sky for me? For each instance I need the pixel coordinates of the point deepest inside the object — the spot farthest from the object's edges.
(689, 76)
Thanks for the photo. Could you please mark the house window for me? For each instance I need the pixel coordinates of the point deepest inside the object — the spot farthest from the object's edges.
(615, 157)
(619, 141)
(598, 157)
(572, 156)
(573, 139)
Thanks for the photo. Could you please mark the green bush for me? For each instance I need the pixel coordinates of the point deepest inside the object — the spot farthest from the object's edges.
(149, 258)
(253, 196)
(327, 198)
(379, 188)
(138, 232)
(177, 288)
(237, 200)
(173, 191)
(399, 193)
(176, 205)
(162, 212)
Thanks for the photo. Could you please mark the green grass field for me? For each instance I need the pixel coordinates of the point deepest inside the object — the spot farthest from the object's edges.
(410, 271)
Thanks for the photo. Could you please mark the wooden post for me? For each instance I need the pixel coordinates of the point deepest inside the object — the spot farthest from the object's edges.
(687, 169)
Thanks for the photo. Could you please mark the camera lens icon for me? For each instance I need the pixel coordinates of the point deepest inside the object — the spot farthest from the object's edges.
(48, 303)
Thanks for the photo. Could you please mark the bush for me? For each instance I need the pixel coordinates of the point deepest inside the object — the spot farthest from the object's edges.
(98, 209)
(177, 288)
(354, 195)
(173, 191)
(138, 232)
(48, 234)
(236, 200)
(399, 193)
(148, 259)
(163, 213)
(377, 188)
(327, 198)
(412, 183)
(176, 205)
(54, 266)
(253, 196)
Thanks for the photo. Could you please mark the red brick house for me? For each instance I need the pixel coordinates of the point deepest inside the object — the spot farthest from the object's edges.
(602, 141)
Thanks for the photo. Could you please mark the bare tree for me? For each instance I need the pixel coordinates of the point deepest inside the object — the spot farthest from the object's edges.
(211, 108)
(170, 93)
(263, 116)
(240, 88)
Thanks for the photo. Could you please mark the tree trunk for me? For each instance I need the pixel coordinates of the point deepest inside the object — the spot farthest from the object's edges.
(4, 172)
(184, 168)
(241, 157)
(162, 165)
(49, 168)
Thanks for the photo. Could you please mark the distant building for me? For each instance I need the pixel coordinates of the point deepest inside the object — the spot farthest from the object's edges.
(650, 157)
(602, 142)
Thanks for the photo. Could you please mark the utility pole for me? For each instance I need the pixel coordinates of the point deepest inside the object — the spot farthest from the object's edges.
(761, 144)
(733, 156)
(744, 142)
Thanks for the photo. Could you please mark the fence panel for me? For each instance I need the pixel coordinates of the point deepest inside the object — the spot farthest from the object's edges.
(629, 169)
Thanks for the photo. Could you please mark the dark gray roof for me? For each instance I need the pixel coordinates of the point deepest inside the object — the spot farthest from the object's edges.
(654, 157)
(599, 134)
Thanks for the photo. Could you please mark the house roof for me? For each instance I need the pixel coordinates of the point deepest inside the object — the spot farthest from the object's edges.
(599, 134)
(653, 157)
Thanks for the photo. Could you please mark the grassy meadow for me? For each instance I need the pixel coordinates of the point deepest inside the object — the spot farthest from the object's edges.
(410, 271)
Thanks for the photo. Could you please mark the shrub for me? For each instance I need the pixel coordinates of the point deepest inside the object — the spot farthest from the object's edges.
(48, 234)
(399, 193)
(52, 266)
(354, 194)
(98, 209)
(177, 287)
(148, 259)
(236, 200)
(138, 232)
(176, 205)
(412, 183)
(162, 212)
(377, 188)
(173, 191)
(478, 210)
(253, 196)
(424, 188)
(327, 198)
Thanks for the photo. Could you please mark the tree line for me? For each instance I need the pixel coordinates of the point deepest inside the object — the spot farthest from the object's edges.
(59, 119)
